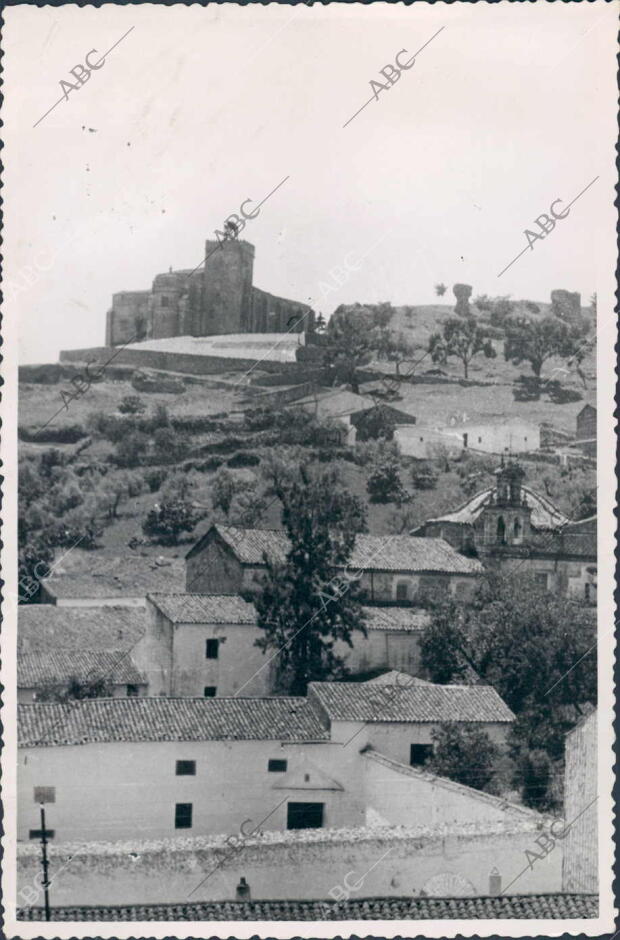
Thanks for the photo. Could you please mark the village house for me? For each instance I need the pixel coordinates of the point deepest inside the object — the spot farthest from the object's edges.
(425, 442)
(119, 581)
(509, 526)
(126, 768)
(348, 408)
(205, 644)
(392, 569)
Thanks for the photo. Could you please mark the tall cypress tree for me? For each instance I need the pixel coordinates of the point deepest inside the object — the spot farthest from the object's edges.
(305, 604)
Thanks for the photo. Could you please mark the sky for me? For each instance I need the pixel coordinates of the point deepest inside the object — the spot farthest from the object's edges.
(508, 108)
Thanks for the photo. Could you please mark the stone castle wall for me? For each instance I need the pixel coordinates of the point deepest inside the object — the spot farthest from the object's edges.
(217, 298)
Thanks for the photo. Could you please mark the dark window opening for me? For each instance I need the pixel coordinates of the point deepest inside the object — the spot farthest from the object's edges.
(277, 766)
(36, 833)
(419, 753)
(402, 591)
(517, 529)
(45, 794)
(210, 691)
(304, 815)
(133, 690)
(586, 591)
(212, 649)
(501, 531)
(183, 816)
(186, 768)
(465, 440)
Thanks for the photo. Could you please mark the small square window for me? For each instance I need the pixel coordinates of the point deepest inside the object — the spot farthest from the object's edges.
(210, 691)
(212, 649)
(183, 816)
(45, 794)
(133, 690)
(186, 768)
(277, 766)
(419, 753)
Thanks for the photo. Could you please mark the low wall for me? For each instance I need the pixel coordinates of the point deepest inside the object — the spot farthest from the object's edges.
(395, 862)
(171, 361)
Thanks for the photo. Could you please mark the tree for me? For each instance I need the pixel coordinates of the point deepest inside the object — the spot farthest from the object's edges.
(226, 488)
(114, 490)
(167, 520)
(375, 423)
(536, 341)
(131, 405)
(440, 289)
(463, 753)
(384, 485)
(536, 648)
(534, 774)
(463, 338)
(304, 607)
(424, 476)
(170, 446)
(354, 334)
(131, 449)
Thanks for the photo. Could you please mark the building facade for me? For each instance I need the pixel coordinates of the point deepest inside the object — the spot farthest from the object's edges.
(509, 526)
(146, 768)
(217, 297)
(580, 865)
(423, 442)
(390, 569)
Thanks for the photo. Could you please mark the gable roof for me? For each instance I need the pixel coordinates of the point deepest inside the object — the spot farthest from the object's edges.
(335, 404)
(44, 627)
(409, 619)
(400, 679)
(370, 553)
(295, 779)
(502, 906)
(35, 669)
(544, 514)
(204, 608)
(169, 719)
(410, 702)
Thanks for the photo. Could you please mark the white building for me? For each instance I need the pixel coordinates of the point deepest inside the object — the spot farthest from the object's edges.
(514, 437)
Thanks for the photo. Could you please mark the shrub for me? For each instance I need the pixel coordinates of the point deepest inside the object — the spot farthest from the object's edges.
(259, 419)
(53, 434)
(130, 450)
(385, 486)
(132, 405)
(463, 753)
(165, 522)
(424, 476)
(375, 423)
(154, 477)
(170, 446)
(535, 774)
(243, 459)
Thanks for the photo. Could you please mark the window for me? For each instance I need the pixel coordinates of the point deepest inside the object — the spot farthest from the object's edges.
(587, 591)
(210, 691)
(36, 833)
(516, 529)
(186, 768)
(541, 579)
(419, 753)
(465, 439)
(501, 531)
(480, 440)
(183, 816)
(45, 794)
(304, 815)
(212, 647)
(402, 591)
(164, 301)
(277, 766)
(133, 690)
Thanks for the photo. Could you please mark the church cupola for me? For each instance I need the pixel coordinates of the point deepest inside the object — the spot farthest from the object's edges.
(505, 520)
(508, 489)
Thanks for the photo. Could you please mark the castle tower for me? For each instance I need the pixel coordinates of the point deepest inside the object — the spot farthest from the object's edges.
(227, 287)
(506, 518)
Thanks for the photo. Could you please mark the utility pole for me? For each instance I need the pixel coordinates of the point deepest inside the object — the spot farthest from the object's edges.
(42, 834)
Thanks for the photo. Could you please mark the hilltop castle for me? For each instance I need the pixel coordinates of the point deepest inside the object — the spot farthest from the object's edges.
(216, 298)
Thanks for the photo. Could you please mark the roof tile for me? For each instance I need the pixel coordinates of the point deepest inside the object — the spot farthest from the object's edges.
(34, 669)
(204, 608)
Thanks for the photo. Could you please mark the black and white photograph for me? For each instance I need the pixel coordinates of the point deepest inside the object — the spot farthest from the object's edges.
(309, 325)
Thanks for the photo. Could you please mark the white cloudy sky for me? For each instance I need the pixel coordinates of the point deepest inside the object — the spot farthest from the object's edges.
(198, 109)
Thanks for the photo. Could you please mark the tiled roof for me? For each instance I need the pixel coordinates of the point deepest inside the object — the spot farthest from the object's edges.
(518, 907)
(337, 404)
(128, 575)
(394, 677)
(371, 552)
(43, 627)
(358, 701)
(544, 513)
(169, 719)
(204, 608)
(396, 618)
(34, 669)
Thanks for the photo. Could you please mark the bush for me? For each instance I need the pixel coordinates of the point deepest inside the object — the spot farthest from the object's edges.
(131, 450)
(132, 405)
(385, 486)
(375, 423)
(424, 476)
(243, 459)
(170, 446)
(259, 419)
(53, 434)
(165, 522)
(535, 775)
(154, 477)
(463, 753)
